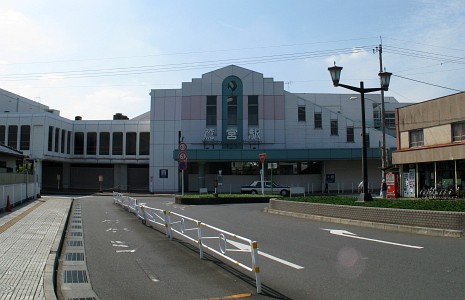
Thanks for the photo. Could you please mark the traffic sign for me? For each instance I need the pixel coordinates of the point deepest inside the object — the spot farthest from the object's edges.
(262, 157)
(182, 147)
(182, 156)
(182, 165)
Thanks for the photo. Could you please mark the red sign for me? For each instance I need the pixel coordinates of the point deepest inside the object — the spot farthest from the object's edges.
(182, 147)
(262, 157)
(182, 156)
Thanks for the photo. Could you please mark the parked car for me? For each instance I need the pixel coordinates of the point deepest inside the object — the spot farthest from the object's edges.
(269, 188)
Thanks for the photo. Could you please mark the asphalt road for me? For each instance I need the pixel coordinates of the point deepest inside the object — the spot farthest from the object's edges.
(301, 259)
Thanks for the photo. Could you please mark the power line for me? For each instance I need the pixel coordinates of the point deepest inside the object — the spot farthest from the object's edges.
(181, 66)
(440, 86)
(187, 52)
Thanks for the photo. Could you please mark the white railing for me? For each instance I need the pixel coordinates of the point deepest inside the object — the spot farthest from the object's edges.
(239, 250)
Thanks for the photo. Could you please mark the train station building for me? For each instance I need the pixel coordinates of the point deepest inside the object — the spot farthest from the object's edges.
(225, 118)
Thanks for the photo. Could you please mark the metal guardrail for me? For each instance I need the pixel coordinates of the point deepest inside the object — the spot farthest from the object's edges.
(239, 250)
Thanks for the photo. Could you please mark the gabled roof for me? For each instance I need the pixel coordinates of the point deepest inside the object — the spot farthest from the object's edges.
(4, 149)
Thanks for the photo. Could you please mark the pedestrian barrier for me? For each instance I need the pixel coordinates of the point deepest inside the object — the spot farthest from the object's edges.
(239, 250)
(297, 190)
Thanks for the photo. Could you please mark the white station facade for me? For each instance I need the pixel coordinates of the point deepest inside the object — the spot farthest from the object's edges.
(223, 120)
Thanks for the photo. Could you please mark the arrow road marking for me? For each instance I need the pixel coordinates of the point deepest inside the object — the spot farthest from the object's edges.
(346, 233)
(247, 247)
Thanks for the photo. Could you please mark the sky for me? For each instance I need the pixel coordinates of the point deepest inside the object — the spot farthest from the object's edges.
(95, 58)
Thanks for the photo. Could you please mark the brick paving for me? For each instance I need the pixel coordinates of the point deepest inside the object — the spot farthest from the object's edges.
(27, 238)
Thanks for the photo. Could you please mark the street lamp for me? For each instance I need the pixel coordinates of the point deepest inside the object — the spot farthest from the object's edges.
(335, 72)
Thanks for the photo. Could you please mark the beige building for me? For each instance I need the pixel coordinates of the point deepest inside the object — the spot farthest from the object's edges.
(431, 145)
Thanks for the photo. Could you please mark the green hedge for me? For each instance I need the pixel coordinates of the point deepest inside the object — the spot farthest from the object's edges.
(440, 205)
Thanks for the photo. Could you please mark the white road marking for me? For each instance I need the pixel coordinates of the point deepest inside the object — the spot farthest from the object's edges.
(126, 251)
(247, 247)
(346, 233)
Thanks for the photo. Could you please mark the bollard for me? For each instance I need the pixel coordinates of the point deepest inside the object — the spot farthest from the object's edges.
(8, 204)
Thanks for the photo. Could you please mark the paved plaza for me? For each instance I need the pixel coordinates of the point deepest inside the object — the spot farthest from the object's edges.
(29, 240)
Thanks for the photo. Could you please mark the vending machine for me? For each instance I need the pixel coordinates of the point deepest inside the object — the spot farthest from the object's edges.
(393, 186)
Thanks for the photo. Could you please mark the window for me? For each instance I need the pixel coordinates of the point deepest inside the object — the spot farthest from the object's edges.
(63, 138)
(50, 138)
(416, 138)
(79, 143)
(253, 110)
(232, 110)
(390, 120)
(458, 132)
(318, 120)
(91, 143)
(13, 136)
(57, 137)
(350, 135)
(68, 143)
(334, 127)
(144, 143)
(131, 139)
(2, 134)
(104, 145)
(301, 113)
(117, 145)
(24, 139)
(211, 110)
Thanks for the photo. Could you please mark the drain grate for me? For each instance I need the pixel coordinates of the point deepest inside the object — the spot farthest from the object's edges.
(77, 221)
(75, 243)
(75, 276)
(74, 256)
(75, 233)
(76, 226)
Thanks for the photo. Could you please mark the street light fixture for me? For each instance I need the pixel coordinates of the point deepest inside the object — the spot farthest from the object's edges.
(335, 72)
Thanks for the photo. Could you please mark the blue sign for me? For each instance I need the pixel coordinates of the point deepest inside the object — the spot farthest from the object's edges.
(182, 165)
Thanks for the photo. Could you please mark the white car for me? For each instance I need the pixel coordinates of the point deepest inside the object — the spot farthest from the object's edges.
(269, 188)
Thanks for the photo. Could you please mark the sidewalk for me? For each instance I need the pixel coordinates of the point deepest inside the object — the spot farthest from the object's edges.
(29, 239)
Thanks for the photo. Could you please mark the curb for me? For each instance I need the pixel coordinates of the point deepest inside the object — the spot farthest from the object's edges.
(383, 226)
(51, 265)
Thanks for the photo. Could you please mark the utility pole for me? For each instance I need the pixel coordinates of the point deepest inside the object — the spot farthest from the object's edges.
(379, 49)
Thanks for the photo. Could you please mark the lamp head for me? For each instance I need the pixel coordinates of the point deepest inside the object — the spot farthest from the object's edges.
(335, 72)
(385, 79)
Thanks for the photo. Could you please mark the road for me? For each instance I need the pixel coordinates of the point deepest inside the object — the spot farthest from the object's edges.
(300, 259)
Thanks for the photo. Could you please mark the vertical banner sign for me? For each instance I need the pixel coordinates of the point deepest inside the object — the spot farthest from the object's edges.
(262, 157)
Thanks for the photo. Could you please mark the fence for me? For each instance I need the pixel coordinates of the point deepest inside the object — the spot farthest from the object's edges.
(17, 193)
(239, 250)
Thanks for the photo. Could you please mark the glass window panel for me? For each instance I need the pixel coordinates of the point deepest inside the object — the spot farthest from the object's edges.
(318, 120)
(25, 138)
(13, 136)
(144, 143)
(131, 144)
(2, 134)
(117, 145)
(91, 143)
(301, 114)
(104, 143)
(253, 110)
(211, 110)
(79, 143)
(57, 137)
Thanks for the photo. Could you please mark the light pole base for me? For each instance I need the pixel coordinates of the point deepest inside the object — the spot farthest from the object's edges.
(364, 197)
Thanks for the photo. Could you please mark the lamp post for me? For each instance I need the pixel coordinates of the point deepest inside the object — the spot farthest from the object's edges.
(335, 72)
